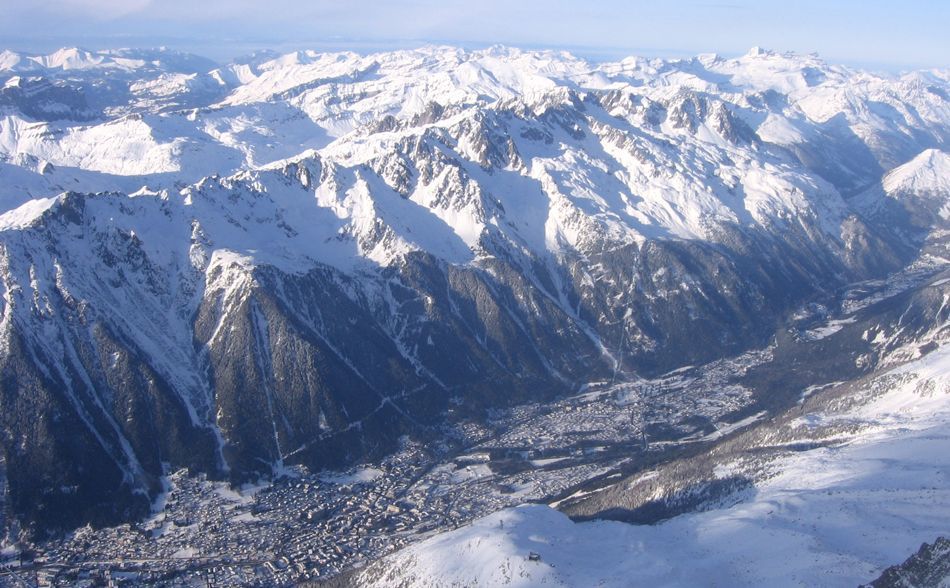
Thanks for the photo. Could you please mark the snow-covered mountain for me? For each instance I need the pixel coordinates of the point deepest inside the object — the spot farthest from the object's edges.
(848, 125)
(301, 258)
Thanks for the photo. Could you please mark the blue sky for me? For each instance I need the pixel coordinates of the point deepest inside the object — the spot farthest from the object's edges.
(874, 33)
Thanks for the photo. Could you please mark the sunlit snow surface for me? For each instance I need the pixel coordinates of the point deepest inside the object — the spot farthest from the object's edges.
(833, 516)
(664, 149)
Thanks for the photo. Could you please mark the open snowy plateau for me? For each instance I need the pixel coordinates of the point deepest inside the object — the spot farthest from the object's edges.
(484, 277)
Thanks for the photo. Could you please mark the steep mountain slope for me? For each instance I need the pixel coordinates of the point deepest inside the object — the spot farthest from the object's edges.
(332, 251)
(913, 193)
(930, 566)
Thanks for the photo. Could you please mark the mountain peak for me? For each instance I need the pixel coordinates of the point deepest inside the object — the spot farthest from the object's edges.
(927, 173)
(70, 58)
(757, 51)
(74, 59)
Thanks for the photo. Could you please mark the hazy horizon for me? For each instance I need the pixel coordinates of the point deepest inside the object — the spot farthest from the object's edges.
(867, 34)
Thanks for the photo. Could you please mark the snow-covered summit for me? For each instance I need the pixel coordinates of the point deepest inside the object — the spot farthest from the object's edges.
(928, 173)
(71, 59)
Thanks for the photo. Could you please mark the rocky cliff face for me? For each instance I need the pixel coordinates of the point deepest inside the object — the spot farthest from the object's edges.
(930, 566)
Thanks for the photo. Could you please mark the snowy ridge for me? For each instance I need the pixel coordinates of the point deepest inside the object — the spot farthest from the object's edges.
(926, 174)
(75, 58)
(268, 108)
(452, 187)
(26, 214)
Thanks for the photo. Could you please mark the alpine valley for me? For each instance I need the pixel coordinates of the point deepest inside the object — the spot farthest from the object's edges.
(314, 316)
